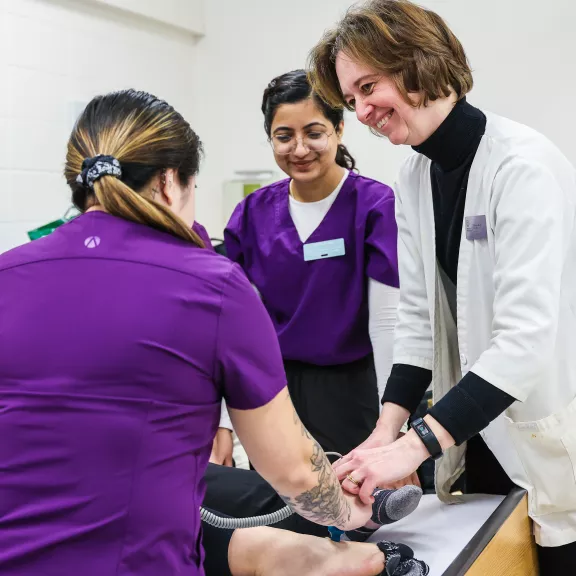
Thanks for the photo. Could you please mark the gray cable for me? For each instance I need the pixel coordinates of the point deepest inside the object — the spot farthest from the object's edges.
(252, 521)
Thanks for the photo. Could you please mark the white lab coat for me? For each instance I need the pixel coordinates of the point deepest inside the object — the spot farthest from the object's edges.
(516, 311)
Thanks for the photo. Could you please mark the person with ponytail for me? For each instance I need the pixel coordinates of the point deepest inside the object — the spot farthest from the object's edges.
(119, 337)
(320, 248)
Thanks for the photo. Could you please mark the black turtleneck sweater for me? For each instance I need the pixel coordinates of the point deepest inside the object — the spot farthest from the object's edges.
(474, 403)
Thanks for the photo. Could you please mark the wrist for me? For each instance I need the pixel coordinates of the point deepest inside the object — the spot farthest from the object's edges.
(385, 433)
(391, 420)
(355, 516)
(417, 447)
(442, 435)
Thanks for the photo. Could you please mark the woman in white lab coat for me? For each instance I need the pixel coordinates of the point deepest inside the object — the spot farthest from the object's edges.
(487, 257)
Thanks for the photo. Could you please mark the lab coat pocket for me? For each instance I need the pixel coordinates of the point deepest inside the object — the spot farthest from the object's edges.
(547, 449)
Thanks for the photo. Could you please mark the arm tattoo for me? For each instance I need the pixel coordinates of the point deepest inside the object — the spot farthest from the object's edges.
(325, 503)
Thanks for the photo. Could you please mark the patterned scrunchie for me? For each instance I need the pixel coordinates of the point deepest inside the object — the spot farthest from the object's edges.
(94, 168)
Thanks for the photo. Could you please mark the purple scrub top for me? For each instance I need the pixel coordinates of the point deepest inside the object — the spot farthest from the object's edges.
(319, 307)
(201, 231)
(117, 343)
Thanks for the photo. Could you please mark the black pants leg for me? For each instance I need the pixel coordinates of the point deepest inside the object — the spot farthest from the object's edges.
(339, 405)
(216, 542)
(560, 561)
(484, 474)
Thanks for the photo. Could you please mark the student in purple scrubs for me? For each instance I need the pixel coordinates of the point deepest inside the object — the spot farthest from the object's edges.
(119, 337)
(320, 248)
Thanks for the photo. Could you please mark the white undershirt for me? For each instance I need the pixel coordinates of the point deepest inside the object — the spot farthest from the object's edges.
(308, 215)
(382, 299)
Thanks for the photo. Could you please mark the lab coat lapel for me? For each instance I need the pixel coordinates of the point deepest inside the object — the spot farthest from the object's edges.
(446, 368)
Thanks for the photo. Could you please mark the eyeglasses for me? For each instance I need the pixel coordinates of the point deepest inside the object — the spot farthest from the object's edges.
(284, 144)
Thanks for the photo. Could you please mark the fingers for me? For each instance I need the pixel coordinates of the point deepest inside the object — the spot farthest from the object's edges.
(214, 454)
(345, 469)
(356, 459)
(228, 461)
(341, 464)
(215, 459)
(350, 487)
(366, 490)
(355, 483)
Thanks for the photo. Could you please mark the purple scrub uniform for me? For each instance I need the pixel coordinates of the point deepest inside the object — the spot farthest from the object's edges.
(117, 343)
(319, 307)
(201, 231)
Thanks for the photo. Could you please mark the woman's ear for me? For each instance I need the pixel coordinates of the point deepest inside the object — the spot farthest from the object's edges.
(167, 186)
(340, 131)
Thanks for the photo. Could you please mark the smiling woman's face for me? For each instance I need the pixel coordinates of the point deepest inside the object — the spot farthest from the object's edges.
(298, 123)
(377, 102)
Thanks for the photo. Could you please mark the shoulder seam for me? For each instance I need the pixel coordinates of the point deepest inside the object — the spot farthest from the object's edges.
(150, 264)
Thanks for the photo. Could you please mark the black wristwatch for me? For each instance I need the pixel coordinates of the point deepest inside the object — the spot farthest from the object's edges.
(428, 438)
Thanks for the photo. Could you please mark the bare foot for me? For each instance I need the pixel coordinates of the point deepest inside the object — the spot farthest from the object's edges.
(272, 552)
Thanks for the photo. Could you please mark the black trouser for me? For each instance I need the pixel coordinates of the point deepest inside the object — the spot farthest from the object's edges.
(216, 542)
(560, 561)
(339, 405)
(484, 474)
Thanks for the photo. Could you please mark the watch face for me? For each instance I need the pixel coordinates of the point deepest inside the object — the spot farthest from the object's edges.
(422, 429)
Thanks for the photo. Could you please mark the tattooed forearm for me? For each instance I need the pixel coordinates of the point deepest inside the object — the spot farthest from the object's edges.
(325, 503)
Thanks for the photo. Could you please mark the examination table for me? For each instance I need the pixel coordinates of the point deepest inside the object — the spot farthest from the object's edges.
(485, 536)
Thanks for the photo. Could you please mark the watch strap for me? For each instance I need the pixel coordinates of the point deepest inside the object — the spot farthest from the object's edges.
(428, 438)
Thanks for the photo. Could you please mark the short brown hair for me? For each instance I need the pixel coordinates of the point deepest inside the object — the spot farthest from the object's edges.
(411, 45)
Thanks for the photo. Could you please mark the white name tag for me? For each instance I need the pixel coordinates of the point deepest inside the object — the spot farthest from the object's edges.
(327, 249)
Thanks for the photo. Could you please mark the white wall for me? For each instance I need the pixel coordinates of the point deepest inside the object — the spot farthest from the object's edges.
(55, 55)
(187, 14)
(522, 53)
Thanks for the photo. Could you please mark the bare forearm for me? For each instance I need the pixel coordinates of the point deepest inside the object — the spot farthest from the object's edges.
(391, 420)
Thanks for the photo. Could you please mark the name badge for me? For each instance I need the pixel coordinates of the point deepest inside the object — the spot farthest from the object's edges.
(476, 228)
(320, 250)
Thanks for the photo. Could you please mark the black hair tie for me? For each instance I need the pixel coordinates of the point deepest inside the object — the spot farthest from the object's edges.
(94, 168)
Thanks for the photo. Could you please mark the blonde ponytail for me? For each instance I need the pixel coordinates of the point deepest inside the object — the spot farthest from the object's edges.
(120, 200)
(120, 143)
